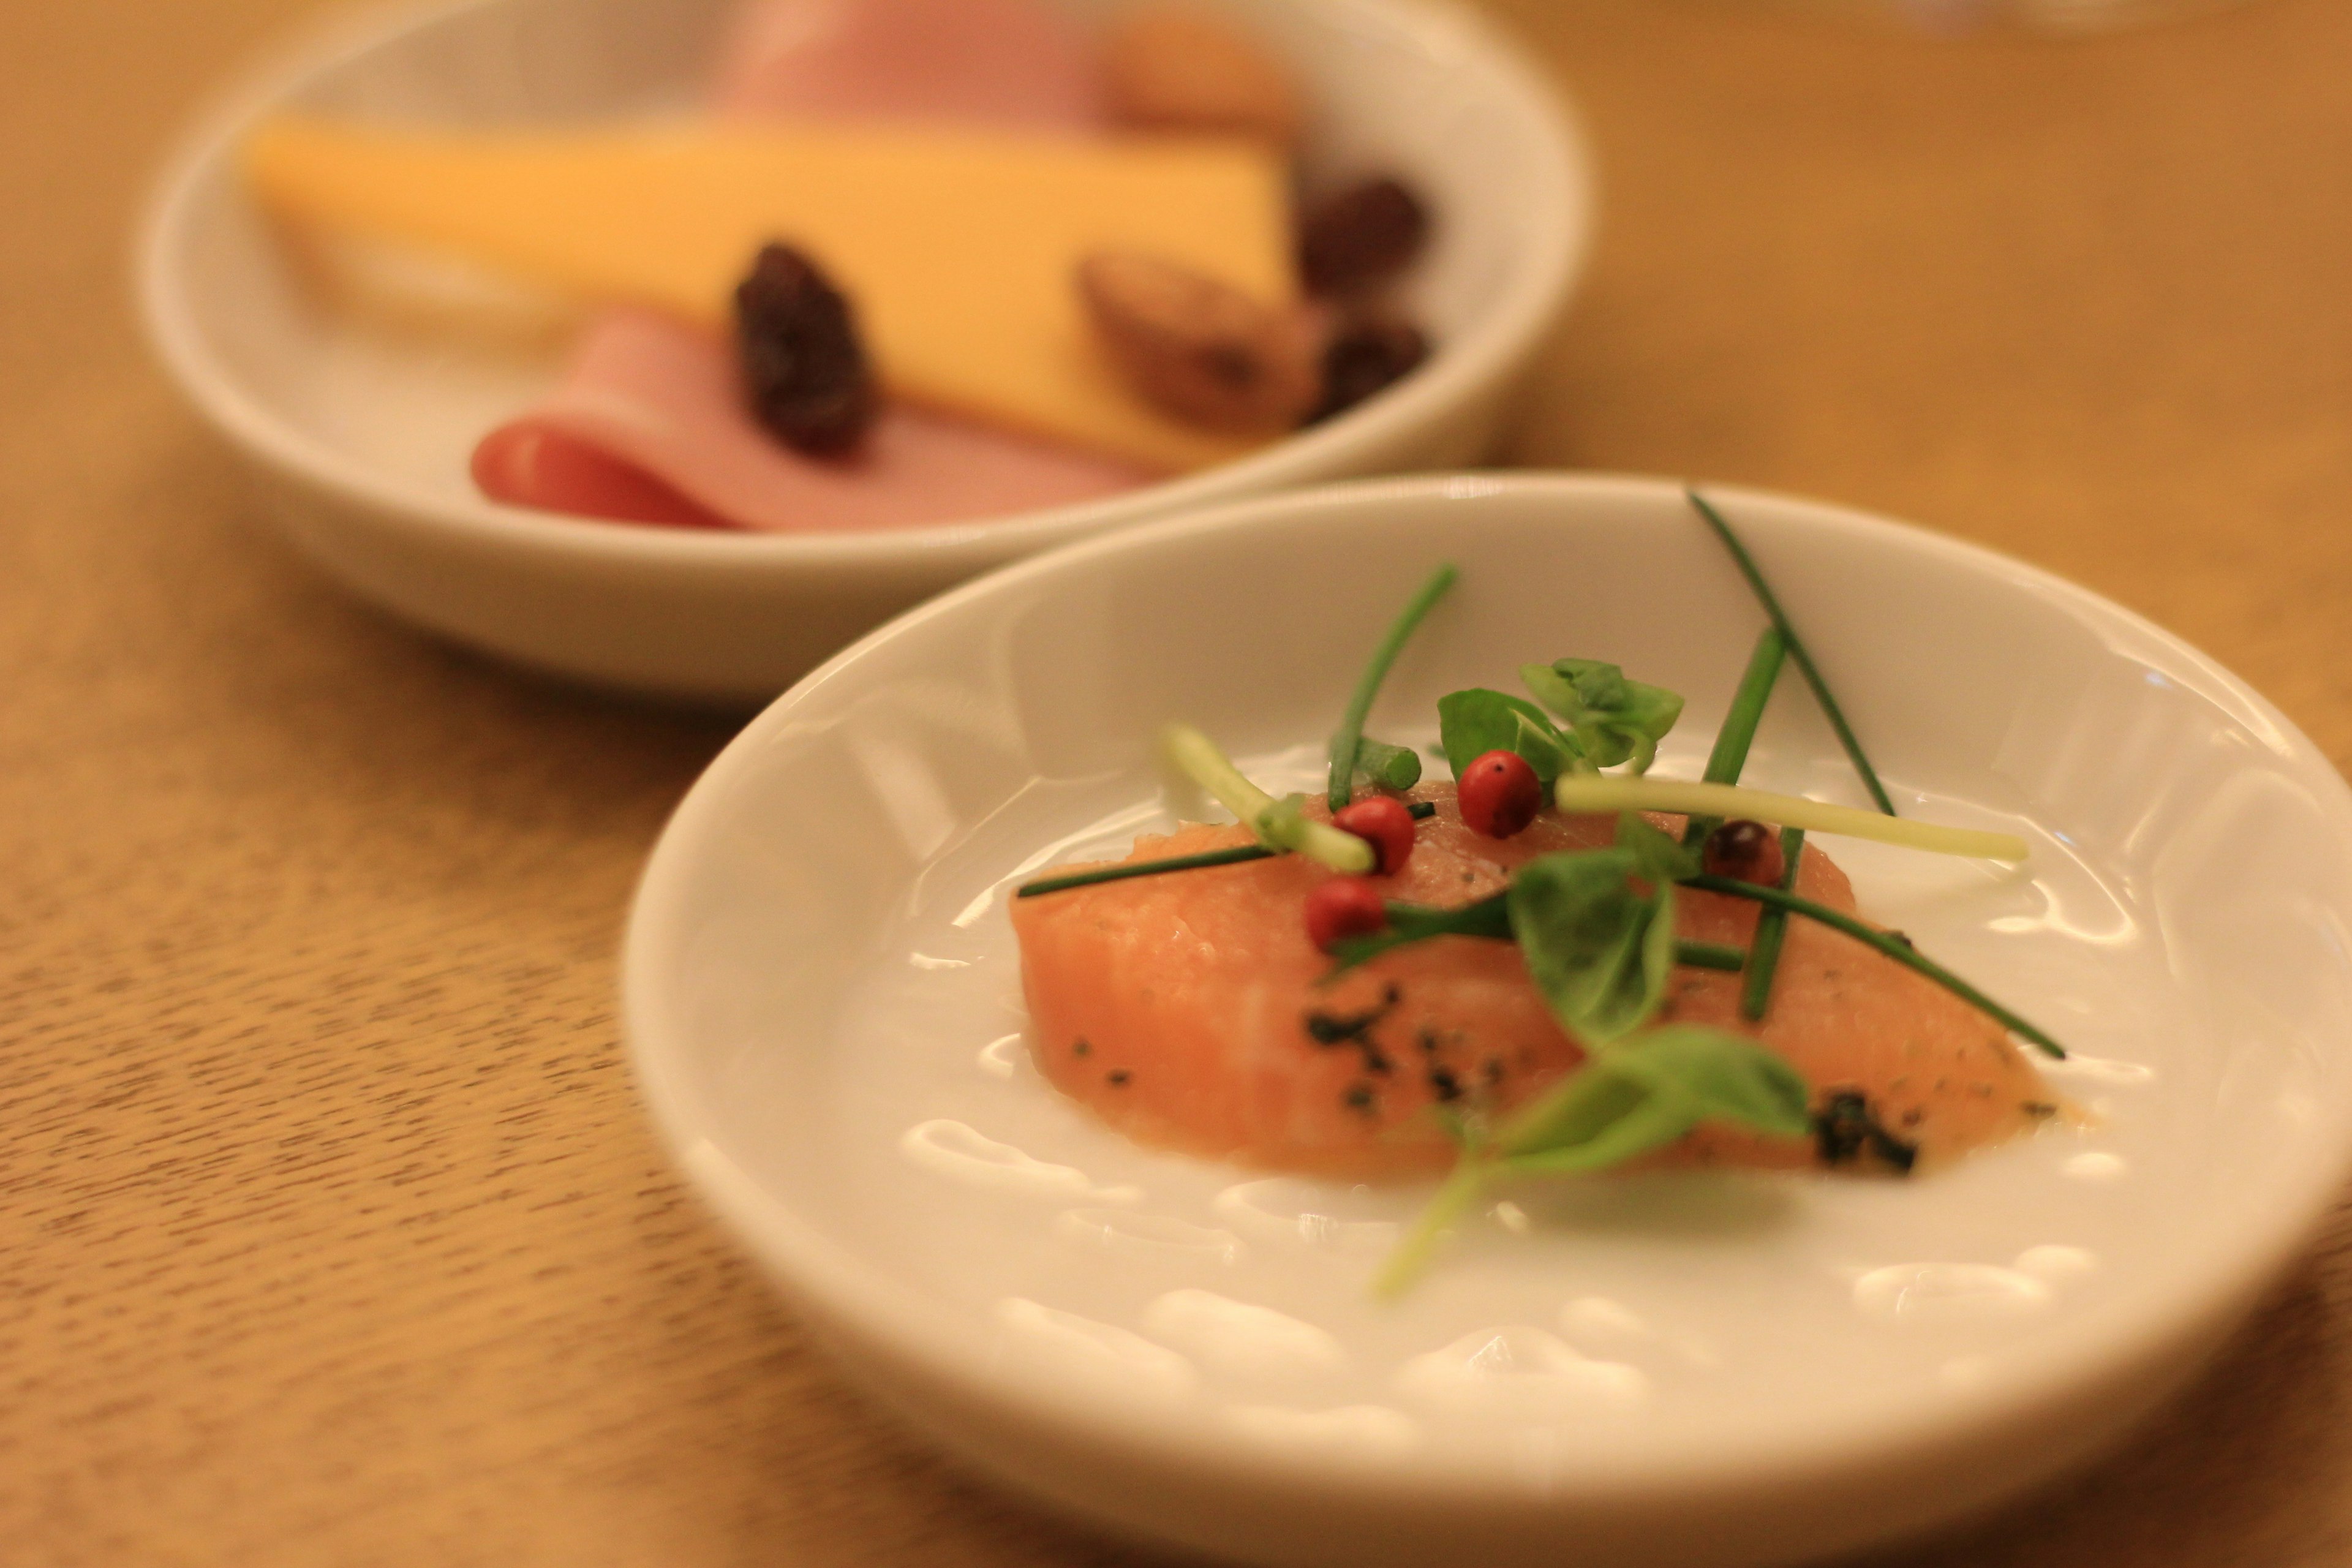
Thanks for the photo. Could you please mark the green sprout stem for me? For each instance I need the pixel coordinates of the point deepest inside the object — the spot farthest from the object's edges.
(1880, 942)
(1461, 1189)
(1599, 792)
(1418, 809)
(1771, 929)
(1351, 723)
(1729, 756)
(1710, 955)
(1198, 758)
(1797, 651)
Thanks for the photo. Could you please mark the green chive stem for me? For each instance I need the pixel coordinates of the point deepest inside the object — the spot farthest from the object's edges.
(1771, 927)
(1710, 955)
(1462, 1187)
(1878, 940)
(1603, 793)
(1729, 756)
(1143, 869)
(1805, 666)
(1198, 758)
(1342, 786)
(1418, 810)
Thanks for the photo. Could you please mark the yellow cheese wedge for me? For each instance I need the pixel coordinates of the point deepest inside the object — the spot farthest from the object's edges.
(956, 247)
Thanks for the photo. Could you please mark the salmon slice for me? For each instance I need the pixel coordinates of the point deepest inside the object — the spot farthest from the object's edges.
(1189, 1011)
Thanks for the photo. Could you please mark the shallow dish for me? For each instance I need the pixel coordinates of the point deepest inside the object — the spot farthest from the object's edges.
(361, 438)
(822, 1000)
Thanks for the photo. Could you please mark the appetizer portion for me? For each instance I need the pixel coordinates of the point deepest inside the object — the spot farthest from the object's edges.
(1544, 968)
(925, 259)
(1198, 1013)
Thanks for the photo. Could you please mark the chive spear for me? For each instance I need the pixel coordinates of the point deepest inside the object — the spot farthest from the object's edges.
(1278, 824)
(1771, 930)
(1728, 757)
(1871, 937)
(1419, 810)
(1603, 793)
(1345, 740)
(1804, 660)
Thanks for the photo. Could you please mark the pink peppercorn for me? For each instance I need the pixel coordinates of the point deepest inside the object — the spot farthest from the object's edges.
(1341, 908)
(1498, 794)
(1382, 822)
(1746, 851)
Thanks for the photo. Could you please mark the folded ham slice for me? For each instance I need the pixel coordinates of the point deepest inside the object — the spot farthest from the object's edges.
(649, 422)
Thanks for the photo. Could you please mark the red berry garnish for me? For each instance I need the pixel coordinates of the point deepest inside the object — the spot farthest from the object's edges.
(1382, 822)
(1341, 908)
(1499, 795)
(1744, 851)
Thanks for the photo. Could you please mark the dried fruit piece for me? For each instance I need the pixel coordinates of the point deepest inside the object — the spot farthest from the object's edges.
(802, 363)
(1365, 357)
(1202, 350)
(1179, 68)
(1360, 237)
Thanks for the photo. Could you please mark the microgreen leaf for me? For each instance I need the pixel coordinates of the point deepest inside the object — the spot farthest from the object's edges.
(1646, 1093)
(1657, 857)
(1613, 720)
(1473, 721)
(1390, 767)
(1598, 948)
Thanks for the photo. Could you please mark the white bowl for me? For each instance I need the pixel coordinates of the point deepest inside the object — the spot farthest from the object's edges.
(822, 997)
(361, 438)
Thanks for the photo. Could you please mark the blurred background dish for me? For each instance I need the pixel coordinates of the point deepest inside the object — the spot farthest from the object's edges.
(359, 435)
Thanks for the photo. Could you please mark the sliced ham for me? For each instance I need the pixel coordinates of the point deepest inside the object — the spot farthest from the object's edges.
(649, 422)
(651, 395)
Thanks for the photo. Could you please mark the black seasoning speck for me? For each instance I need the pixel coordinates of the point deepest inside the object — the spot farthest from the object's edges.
(1429, 1041)
(2040, 1109)
(1494, 1072)
(1444, 1083)
(1358, 1097)
(1845, 1130)
(1082, 1048)
(1117, 1077)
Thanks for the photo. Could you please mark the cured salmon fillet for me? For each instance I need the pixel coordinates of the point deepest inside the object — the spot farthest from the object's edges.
(1189, 1011)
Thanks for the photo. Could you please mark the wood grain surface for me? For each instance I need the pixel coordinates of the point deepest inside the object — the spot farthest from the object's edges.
(330, 1230)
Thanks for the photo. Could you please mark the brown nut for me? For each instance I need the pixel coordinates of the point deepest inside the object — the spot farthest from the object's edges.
(1202, 350)
(1182, 68)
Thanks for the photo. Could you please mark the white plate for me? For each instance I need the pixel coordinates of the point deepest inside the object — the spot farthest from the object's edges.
(822, 993)
(360, 435)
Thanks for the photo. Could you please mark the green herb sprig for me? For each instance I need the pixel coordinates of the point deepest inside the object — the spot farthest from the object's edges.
(1346, 740)
(1419, 810)
(1797, 651)
(1771, 930)
(1630, 1098)
(1902, 953)
(1728, 756)
(1280, 825)
(1612, 719)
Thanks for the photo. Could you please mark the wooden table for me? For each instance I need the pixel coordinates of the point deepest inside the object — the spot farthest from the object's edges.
(330, 1230)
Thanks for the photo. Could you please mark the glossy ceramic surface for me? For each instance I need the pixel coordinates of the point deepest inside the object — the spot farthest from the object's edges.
(360, 431)
(823, 997)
